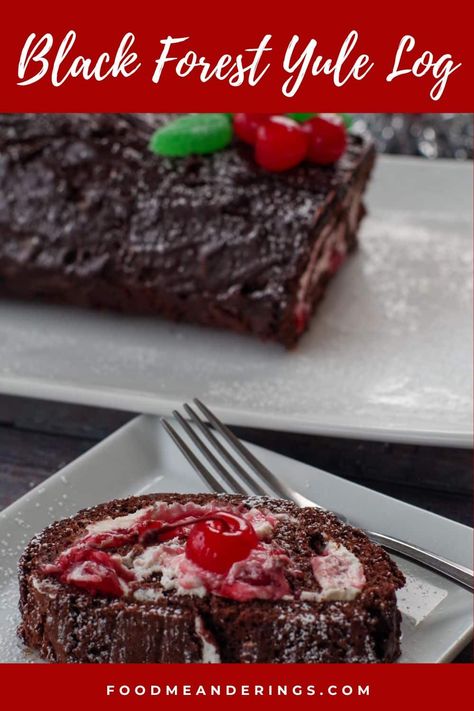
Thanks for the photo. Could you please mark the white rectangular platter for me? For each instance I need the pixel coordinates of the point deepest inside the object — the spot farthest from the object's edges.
(140, 458)
(388, 356)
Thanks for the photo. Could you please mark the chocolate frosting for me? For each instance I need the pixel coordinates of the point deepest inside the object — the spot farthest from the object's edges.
(89, 215)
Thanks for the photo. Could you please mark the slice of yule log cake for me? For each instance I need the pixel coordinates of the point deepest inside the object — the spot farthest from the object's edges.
(205, 578)
(236, 223)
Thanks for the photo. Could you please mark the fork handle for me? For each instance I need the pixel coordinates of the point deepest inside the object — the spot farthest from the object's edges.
(460, 573)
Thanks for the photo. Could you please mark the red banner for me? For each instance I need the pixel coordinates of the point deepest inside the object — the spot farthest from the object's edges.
(327, 686)
(256, 55)
(248, 55)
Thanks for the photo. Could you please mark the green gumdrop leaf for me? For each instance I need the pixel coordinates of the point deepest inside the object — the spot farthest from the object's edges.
(347, 118)
(193, 134)
(300, 117)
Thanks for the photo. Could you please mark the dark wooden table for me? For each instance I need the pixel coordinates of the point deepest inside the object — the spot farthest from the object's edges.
(37, 438)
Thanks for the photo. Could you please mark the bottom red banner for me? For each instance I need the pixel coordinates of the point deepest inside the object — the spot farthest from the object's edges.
(227, 686)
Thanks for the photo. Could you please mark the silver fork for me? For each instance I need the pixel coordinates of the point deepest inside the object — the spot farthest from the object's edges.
(236, 479)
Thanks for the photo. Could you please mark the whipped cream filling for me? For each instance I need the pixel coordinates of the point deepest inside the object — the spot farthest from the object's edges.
(161, 527)
(147, 595)
(85, 573)
(44, 587)
(259, 576)
(177, 572)
(339, 573)
(210, 653)
(185, 514)
(331, 239)
(120, 523)
(159, 511)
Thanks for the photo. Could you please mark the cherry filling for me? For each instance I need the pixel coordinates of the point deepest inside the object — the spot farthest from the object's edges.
(336, 260)
(301, 316)
(230, 553)
(146, 531)
(218, 542)
(91, 569)
(153, 532)
(87, 565)
(214, 542)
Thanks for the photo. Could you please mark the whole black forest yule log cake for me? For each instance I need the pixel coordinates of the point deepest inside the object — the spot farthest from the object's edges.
(236, 221)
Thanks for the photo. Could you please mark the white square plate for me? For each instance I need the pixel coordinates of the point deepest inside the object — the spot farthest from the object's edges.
(140, 458)
(388, 356)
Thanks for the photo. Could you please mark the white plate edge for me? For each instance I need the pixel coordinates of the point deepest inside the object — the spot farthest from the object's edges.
(113, 398)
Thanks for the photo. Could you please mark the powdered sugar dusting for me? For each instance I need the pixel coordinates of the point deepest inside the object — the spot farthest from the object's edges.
(300, 629)
(11, 648)
(416, 600)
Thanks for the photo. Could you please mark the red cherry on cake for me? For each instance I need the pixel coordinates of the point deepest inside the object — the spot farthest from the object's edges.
(246, 125)
(281, 143)
(327, 138)
(219, 542)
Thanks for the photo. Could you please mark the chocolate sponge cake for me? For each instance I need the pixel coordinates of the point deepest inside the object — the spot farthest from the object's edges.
(90, 216)
(200, 578)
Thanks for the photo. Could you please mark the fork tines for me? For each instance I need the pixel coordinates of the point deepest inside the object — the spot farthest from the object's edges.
(229, 475)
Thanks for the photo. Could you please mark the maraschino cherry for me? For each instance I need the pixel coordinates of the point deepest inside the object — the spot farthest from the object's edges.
(281, 143)
(218, 542)
(246, 126)
(327, 138)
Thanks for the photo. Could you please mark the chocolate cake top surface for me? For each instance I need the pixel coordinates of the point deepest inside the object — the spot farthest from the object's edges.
(83, 193)
(299, 533)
